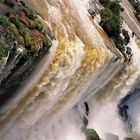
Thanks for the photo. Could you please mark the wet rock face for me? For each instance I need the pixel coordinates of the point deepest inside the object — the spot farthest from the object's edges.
(123, 112)
(85, 118)
(86, 108)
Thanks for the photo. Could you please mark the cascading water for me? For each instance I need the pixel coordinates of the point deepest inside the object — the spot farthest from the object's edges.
(81, 62)
(105, 106)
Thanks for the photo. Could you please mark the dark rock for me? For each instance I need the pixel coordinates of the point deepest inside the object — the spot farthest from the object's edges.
(91, 134)
(129, 51)
(123, 112)
(86, 108)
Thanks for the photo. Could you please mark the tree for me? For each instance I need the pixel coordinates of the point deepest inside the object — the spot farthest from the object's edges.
(115, 7)
(29, 12)
(112, 27)
(106, 14)
(126, 36)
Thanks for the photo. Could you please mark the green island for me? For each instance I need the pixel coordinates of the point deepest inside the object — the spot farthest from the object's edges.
(111, 22)
(22, 27)
(23, 42)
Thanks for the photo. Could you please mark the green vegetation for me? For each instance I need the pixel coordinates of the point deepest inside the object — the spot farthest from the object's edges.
(3, 51)
(22, 31)
(115, 7)
(126, 36)
(133, 2)
(136, 6)
(3, 47)
(29, 12)
(17, 22)
(46, 42)
(111, 22)
(24, 28)
(6, 35)
(106, 15)
(36, 25)
(4, 21)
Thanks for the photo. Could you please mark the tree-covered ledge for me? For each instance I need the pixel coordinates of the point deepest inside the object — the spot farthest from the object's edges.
(19, 24)
(23, 42)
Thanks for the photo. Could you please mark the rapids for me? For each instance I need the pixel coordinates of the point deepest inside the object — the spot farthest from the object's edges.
(80, 67)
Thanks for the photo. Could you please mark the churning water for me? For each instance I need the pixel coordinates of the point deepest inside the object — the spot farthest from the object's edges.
(80, 68)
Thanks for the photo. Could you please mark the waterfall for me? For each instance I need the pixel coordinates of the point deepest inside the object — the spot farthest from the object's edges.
(79, 68)
(105, 106)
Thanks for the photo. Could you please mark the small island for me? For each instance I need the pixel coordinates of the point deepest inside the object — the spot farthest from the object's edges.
(23, 42)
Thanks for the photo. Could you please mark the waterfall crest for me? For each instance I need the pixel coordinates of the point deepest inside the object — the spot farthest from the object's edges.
(77, 69)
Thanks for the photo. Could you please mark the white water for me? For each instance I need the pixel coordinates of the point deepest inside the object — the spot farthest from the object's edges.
(81, 65)
(106, 119)
(103, 115)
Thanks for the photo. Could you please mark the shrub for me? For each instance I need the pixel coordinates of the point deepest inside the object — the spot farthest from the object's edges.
(4, 21)
(31, 23)
(38, 25)
(27, 38)
(29, 12)
(126, 36)
(133, 2)
(106, 14)
(17, 22)
(119, 43)
(22, 31)
(10, 36)
(115, 7)
(3, 50)
(46, 43)
(111, 22)
(112, 27)
(128, 51)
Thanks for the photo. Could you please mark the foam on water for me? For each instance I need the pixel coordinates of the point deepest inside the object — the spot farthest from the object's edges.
(45, 109)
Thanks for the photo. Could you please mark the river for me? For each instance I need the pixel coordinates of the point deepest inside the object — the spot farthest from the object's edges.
(83, 66)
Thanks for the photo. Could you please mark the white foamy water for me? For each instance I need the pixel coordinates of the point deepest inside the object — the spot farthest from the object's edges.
(104, 113)
(79, 65)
